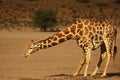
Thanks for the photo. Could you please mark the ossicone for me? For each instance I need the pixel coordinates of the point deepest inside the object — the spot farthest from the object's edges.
(32, 41)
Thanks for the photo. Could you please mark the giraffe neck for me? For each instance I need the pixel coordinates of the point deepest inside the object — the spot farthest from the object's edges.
(56, 39)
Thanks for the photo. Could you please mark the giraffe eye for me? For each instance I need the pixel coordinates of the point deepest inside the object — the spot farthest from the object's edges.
(31, 48)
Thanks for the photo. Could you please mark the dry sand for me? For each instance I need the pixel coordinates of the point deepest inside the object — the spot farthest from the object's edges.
(55, 63)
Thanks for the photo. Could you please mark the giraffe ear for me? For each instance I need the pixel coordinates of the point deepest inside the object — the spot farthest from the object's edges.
(32, 41)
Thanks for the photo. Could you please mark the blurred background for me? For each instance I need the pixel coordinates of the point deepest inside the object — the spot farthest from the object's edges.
(52, 15)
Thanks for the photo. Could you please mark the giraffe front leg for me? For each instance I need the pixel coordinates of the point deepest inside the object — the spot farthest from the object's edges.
(88, 56)
(82, 62)
(102, 57)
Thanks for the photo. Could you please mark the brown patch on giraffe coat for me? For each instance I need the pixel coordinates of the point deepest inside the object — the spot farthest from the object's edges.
(83, 40)
(44, 46)
(55, 38)
(69, 36)
(61, 40)
(86, 22)
(96, 24)
(44, 41)
(103, 24)
(100, 38)
(49, 40)
(91, 23)
(81, 32)
(90, 35)
(66, 31)
(59, 35)
(89, 27)
(54, 43)
(86, 31)
(96, 37)
(94, 30)
(80, 26)
(77, 37)
(101, 28)
(73, 28)
(99, 32)
(49, 45)
(78, 30)
(79, 21)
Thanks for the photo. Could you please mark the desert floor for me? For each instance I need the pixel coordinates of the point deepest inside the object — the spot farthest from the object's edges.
(55, 63)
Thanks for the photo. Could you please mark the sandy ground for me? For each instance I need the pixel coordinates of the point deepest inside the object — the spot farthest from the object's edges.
(55, 63)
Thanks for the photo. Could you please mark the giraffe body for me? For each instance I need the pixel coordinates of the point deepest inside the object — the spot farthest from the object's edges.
(89, 34)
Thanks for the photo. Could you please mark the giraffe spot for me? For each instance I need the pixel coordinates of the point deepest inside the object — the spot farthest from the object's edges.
(61, 40)
(86, 31)
(77, 37)
(89, 27)
(79, 21)
(40, 47)
(100, 38)
(53, 43)
(96, 24)
(80, 26)
(55, 38)
(90, 35)
(109, 35)
(81, 32)
(86, 22)
(103, 24)
(49, 40)
(99, 32)
(86, 45)
(44, 41)
(49, 45)
(91, 23)
(73, 28)
(78, 30)
(94, 30)
(100, 28)
(66, 31)
(83, 40)
(51, 37)
(44, 46)
(96, 37)
(69, 36)
(59, 35)
(96, 21)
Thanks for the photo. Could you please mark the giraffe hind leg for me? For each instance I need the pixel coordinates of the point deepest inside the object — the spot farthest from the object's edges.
(88, 57)
(109, 50)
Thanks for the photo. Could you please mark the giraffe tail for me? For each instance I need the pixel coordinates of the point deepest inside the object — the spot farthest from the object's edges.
(115, 52)
(115, 47)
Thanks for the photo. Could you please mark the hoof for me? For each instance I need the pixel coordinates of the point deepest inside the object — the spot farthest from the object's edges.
(102, 76)
(76, 74)
(92, 75)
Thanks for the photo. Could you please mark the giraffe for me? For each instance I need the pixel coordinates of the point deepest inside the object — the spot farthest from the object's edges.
(89, 35)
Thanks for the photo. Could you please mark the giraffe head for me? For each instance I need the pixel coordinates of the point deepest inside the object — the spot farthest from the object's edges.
(31, 48)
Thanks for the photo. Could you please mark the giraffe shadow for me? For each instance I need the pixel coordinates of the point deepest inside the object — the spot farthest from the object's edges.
(117, 74)
(113, 74)
(71, 77)
(61, 75)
